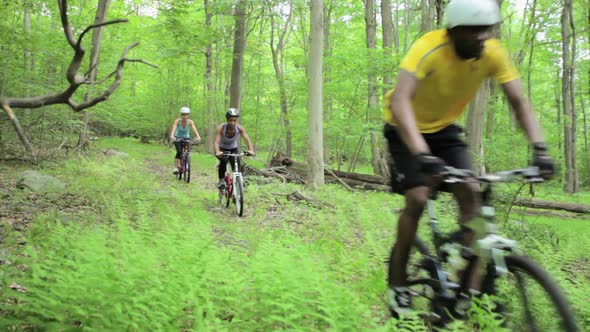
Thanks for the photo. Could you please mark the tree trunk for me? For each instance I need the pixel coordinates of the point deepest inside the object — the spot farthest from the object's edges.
(101, 14)
(27, 52)
(387, 20)
(475, 125)
(210, 116)
(407, 23)
(278, 61)
(373, 98)
(568, 97)
(315, 131)
(440, 9)
(559, 110)
(19, 129)
(328, 101)
(426, 24)
(235, 90)
(492, 97)
(585, 133)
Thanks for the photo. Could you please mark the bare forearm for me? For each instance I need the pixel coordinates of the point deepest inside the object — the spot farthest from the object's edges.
(403, 115)
(525, 118)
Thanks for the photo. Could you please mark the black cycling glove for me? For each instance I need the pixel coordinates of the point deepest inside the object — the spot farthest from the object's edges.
(542, 160)
(429, 164)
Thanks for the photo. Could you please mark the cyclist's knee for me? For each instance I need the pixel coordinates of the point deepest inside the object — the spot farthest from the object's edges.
(416, 199)
(467, 194)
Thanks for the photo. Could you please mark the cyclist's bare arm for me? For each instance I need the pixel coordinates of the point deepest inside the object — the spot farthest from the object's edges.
(522, 110)
(217, 138)
(400, 106)
(197, 136)
(248, 141)
(173, 129)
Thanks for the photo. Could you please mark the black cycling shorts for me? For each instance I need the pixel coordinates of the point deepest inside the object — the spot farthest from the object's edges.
(446, 144)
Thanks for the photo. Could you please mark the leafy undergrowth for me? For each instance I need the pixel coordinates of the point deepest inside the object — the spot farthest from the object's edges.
(152, 253)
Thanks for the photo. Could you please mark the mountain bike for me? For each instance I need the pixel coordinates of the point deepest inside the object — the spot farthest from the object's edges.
(184, 169)
(234, 184)
(524, 296)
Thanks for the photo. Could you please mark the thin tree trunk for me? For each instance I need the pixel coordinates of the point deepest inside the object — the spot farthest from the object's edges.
(27, 52)
(315, 126)
(426, 24)
(585, 123)
(278, 61)
(355, 153)
(387, 31)
(559, 110)
(235, 90)
(440, 8)
(491, 111)
(209, 85)
(407, 9)
(373, 98)
(568, 93)
(19, 129)
(328, 101)
(101, 14)
(475, 125)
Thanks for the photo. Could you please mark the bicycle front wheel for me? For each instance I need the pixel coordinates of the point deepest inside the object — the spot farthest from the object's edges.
(239, 193)
(530, 300)
(187, 169)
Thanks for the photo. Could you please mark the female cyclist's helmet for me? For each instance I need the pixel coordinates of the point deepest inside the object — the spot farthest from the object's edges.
(185, 110)
(472, 13)
(232, 113)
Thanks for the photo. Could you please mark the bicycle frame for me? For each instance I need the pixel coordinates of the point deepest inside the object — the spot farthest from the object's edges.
(235, 174)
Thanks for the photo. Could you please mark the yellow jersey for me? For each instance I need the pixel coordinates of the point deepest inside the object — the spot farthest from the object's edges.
(447, 83)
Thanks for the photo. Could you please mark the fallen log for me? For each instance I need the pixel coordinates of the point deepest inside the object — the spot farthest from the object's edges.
(550, 213)
(301, 168)
(552, 205)
(289, 170)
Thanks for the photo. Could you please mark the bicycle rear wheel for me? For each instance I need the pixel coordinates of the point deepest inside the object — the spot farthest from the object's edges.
(227, 194)
(180, 168)
(239, 194)
(529, 299)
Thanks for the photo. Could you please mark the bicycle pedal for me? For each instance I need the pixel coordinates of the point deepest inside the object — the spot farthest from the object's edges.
(452, 285)
(430, 317)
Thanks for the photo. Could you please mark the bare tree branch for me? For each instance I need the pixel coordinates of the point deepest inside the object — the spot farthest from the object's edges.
(75, 78)
(63, 10)
(98, 25)
(142, 61)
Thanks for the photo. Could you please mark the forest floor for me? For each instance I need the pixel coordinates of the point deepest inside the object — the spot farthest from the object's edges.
(128, 247)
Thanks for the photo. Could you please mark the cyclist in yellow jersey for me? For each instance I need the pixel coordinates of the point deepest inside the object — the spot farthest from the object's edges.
(438, 77)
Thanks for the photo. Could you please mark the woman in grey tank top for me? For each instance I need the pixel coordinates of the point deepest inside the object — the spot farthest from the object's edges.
(227, 138)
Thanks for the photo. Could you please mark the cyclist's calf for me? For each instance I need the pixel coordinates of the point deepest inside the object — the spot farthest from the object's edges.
(468, 199)
(416, 199)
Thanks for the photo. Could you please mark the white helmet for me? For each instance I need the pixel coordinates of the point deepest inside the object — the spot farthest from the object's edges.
(472, 12)
(185, 110)
(232, 113)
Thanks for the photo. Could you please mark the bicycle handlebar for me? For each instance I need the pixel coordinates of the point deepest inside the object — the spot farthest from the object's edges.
(454, 175)
(188, 140)
(241, 154)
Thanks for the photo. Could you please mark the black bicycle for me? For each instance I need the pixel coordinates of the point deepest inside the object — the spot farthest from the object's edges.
(525, 297)
(184, 169)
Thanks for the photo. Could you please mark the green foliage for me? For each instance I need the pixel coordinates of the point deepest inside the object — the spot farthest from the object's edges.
(154, 254)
